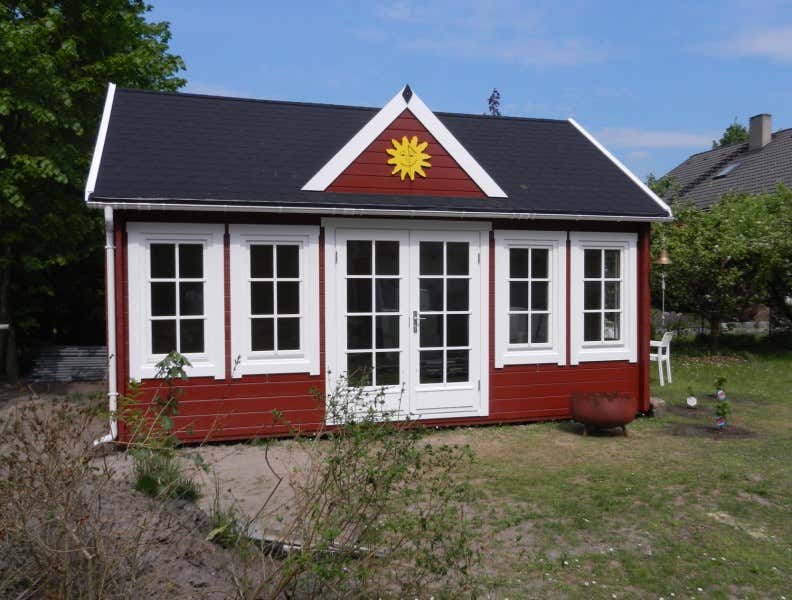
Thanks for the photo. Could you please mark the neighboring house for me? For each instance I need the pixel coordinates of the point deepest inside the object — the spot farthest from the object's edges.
(751, 167)
(476, 269)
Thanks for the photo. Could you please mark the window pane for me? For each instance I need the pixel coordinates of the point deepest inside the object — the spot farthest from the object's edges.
(431, 366)
(163, 260)
(539, 328)
(387, 332)
(457, 330)
(518, 295)
(261, 298)
(592, 266)
(431, 293)
(457, 365)
(163, 299)
(518, 329)
(592, 295)
(431, 331)
(612, 297)
(457, 258)
(387, 295)
(358, 257)
(612, 266)
(457, 292)
(359, 369)
(387, 368)
(289, 334)
(191, 298)
(358, 295)
(192, 335)
(539, 262)
(431, 258)
(288, 297)
(163, 336)
(539, 295)
(358, 333)
(612, 326)
(592, 327)
(262, 333)
(288, 260)
(191, 261)
(518, 262)
(261, 261)
(387, 258)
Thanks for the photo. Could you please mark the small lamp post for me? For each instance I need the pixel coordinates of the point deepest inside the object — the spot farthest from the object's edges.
(662, 261)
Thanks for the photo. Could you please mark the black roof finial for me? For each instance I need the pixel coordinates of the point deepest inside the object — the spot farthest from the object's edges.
(407, 93)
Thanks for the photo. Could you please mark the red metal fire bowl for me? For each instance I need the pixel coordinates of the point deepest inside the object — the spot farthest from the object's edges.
(603, 410)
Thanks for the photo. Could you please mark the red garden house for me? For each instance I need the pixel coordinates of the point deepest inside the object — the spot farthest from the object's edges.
(478, 269)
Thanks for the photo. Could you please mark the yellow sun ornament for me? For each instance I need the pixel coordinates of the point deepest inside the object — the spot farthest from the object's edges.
(408, 157)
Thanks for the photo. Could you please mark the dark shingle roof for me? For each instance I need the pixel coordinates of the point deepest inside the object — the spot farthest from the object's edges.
(187, 148)
(758, 171)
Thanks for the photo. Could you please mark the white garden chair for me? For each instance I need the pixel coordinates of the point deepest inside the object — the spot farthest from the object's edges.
(662, 355)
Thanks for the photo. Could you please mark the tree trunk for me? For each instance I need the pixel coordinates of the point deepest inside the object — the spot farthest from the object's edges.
(715, 327)
(8, 352)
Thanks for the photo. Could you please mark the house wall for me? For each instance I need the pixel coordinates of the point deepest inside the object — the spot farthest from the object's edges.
(239, 408)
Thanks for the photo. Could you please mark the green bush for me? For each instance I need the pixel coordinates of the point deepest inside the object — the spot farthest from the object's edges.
(158, 474)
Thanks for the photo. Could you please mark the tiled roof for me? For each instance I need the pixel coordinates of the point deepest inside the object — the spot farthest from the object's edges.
(187, 148)
(758, 171)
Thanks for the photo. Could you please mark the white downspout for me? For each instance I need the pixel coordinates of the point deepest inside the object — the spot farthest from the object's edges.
(112, 376)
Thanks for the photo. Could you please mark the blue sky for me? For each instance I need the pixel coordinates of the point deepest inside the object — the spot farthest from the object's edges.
(653, 81)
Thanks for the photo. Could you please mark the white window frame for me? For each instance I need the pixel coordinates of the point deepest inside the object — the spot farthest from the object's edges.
(244, 360)
(142, 362)
(554, 350)
(627, 347)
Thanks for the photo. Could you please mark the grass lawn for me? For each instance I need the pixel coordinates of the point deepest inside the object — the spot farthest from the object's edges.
(671, 511)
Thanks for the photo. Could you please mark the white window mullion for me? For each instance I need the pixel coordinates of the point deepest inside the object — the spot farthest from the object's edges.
(532, 351)
(305, 358)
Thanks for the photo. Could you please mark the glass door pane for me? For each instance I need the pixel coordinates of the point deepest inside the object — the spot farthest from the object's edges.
(372, 312)
(443, 315)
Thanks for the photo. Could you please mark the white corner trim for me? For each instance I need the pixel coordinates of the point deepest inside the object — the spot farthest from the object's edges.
(244, 360)
(530, 354)
(363, 138)
(93, 172)
(619, 164)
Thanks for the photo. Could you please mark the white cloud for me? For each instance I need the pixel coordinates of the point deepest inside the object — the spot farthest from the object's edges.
(500, 30)
(773, 43)
(638, 154)
(627, 137)
(212, 89)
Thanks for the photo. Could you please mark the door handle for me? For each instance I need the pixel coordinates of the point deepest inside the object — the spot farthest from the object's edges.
(415, 321)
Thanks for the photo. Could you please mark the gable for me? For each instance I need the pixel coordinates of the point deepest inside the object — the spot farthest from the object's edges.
(371, 172)
(405, 112)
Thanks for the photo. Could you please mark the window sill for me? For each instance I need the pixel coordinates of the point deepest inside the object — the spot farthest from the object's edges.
(535, 356)
(274, 366)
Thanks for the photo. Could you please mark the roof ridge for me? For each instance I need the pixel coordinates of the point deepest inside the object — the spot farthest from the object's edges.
(326, 105)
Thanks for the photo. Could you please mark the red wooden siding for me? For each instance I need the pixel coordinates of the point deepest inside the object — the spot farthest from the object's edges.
(228, 408)
(371, 173)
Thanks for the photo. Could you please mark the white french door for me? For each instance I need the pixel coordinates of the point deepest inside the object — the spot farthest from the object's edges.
(407, 314)
(446, 323)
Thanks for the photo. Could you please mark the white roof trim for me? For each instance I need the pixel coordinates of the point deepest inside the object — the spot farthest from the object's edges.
(93, 172)
(626, 171)
(363, 138)
(168, 204)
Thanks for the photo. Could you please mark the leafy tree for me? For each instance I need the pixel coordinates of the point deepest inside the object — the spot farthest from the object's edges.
(493, 103)
(736, 254)
(665, 187)
(734, 134)
(56, 60)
